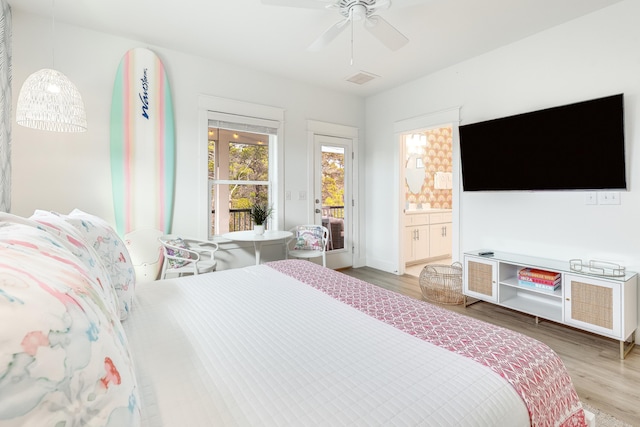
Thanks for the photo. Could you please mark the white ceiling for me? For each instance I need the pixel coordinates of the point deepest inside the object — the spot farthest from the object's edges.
(274, 38)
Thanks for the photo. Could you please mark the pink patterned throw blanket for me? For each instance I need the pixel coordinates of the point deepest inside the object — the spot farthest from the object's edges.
(531, 367)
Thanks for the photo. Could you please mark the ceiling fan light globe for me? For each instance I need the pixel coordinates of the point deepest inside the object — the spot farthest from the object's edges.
(358, 12)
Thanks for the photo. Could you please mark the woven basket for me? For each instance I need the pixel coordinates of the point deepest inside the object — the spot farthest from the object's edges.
(442, 284)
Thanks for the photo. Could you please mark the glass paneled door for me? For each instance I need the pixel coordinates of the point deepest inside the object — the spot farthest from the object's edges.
(332, 196)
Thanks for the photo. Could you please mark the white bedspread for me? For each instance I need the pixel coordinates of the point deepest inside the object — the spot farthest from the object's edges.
(253, 347)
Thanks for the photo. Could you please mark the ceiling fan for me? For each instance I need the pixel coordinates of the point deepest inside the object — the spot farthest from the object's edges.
(351, 11)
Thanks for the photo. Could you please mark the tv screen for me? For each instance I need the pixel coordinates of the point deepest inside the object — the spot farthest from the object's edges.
(573, 147)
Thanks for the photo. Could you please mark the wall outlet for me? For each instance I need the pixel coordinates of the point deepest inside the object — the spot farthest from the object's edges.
(609, 198)
(302, 195)
(591, 198)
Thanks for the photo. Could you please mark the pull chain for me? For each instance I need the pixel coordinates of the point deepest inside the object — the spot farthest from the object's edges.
(351, 16)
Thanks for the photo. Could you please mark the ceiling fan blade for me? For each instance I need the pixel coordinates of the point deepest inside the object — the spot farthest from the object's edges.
(408, 3)
(307, 4)
(380, 4)
(327, 37)
(385, 32)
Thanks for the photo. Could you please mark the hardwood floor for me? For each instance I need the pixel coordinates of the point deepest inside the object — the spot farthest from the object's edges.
(599, 376)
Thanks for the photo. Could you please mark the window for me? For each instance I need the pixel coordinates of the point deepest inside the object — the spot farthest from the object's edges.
(240, 173)
(217, 114)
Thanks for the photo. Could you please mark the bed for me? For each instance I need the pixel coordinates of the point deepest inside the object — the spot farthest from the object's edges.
(287, 343)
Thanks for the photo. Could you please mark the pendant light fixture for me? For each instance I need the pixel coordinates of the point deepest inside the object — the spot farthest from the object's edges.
(48, 100)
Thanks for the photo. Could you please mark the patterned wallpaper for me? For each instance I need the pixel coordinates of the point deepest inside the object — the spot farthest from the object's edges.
(437, 157)
(5, 106)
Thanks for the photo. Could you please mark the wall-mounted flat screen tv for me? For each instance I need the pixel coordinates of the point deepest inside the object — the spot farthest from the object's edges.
(572, 147)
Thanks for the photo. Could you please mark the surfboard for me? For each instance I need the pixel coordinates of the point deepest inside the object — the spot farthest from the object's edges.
(142, 143)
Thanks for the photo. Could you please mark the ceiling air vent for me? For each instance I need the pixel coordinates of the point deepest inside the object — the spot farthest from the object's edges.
(361, 78)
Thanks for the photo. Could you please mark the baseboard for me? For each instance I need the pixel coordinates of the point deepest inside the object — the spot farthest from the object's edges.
(383, 265)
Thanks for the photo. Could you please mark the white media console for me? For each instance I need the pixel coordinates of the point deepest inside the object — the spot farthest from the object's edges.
(604, 305)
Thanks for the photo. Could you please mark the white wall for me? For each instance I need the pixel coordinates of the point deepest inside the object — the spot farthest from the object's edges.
(594, 56)
(63, 171)
(590, 57)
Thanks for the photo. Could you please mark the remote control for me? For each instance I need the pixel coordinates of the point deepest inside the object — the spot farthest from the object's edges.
(485, 253)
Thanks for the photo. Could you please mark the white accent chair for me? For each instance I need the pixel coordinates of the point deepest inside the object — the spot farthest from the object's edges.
(308, 241)
(145, 252)
(187, 256)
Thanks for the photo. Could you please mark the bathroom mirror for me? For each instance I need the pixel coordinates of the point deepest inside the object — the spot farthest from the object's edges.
(414, 173)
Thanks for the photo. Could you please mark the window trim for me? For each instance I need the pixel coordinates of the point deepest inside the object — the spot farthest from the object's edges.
(212, 107)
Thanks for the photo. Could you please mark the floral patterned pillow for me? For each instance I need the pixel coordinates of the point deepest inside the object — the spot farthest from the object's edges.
(70, 238)
(64, 358)
(179, 243)
(113, 252)
(308, 239)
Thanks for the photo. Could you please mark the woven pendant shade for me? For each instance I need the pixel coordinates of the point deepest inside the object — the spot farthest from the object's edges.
(49, 101)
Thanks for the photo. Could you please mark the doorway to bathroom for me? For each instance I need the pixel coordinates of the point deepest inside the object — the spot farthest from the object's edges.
(427, 197)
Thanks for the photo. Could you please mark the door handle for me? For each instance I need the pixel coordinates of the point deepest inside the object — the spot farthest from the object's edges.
(317, 210)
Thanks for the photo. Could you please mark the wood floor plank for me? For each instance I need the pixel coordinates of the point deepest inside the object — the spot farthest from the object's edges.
(599, 376)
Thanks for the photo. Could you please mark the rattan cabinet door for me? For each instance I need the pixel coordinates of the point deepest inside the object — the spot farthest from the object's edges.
(593, 304)
(480, 278)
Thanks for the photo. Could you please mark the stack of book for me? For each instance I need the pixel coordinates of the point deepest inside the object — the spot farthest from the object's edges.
(542, 279)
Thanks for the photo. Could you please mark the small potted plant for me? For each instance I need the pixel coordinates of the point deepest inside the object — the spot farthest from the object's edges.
(259, 214)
